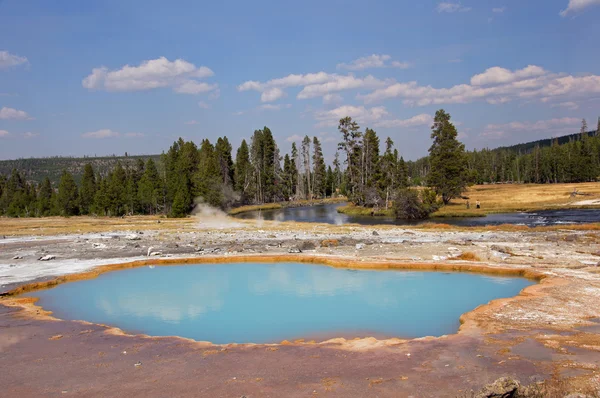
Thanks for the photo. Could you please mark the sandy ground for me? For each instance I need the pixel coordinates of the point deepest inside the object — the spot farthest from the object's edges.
(548, 332)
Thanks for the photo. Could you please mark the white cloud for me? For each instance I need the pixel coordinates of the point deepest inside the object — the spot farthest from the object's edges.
(294, 138)
(451, 7)
(29, 134)
(332, 99)
(180, 75)
(568, 104)
(314, 85)
(401, 65)
(359, 113)
(135, 135)
(373, 61)
(501, 130)
(8, 60)
(499, 10)
(578, 5)
(496, 86)
(191, 122)
(104, 133)
(13, 114)
(194, 87)
(272, 94)
(418, 120)
(4, 133)
(341, 83)
(271, 107)
(497, 75)
(203, 105)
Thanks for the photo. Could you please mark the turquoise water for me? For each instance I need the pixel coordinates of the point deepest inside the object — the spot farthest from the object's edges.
(267, 303)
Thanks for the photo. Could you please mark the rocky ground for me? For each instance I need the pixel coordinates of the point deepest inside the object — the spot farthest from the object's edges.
(546, 333)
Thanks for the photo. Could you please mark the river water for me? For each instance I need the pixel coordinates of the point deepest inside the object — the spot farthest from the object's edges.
(328, 214)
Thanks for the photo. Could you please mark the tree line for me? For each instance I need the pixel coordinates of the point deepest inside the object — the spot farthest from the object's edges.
(209, 173)
(187, 174)
(576, 160)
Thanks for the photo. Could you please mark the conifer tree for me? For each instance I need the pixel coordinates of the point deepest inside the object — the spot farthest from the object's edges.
(319, 170)
(448, 175)
(68, 195)
(45, 198)
(87, 192)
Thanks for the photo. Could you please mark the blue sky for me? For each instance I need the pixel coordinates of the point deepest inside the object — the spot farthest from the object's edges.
(103, 77)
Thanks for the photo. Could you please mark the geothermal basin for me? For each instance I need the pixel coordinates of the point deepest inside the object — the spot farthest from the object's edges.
(272, 302)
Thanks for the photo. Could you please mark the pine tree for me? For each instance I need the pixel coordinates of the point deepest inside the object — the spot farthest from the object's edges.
(305, 150)
(223, 153)
(45, 198)
(88, 189)
(242, 172)
(149, 189)
(448, 175)
(319, 170)
(68, 195)
(351, 136)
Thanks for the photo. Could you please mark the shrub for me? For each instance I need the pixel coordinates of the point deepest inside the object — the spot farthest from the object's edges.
(410, 205)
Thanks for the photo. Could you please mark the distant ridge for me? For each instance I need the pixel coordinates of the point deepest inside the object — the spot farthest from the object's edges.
(529, 146)
(36, 169)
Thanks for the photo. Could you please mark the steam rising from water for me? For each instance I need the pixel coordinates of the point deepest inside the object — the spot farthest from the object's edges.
(210, 217)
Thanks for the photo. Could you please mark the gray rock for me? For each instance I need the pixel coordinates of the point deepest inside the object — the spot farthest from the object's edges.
(504, 387)
(375, 233)
(47, 257)
(294, 250)
(360, 246)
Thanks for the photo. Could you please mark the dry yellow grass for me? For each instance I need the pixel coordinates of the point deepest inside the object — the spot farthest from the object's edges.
(84, 224)
(520, 197)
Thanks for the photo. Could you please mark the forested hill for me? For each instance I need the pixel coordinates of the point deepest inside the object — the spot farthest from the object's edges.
(529, 146)
(36, 169)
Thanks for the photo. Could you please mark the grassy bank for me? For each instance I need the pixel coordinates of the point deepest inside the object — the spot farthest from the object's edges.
(296, 203)
(508, 198)
(504, 198)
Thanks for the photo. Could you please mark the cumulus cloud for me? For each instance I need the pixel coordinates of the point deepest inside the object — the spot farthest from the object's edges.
(578, 5)
(104, 133)
(272, 94)
(332, 99)
(13, 114)
(418, 120)
(373, 61)
(497, 75)
(180, 75)
(361, 114)
(451, 7)
(501, 130)
(314, 85)
(4, 133)
(341, 83)
(8, 60)
(568, 104)
(496, 86)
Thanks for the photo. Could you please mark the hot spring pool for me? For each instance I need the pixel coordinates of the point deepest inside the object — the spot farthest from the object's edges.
(268, 303)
